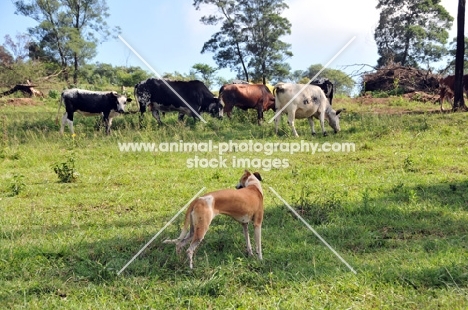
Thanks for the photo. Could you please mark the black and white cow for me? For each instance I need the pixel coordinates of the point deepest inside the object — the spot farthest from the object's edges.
(162, 95)
(107, 104)
(304, 101)
(327, 86)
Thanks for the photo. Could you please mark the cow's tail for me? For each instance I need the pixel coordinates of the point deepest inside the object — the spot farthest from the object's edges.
(279, 88)
(220, 96)
(58, 110)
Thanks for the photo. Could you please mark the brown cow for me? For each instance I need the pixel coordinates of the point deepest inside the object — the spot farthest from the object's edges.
(447, 88)
(247, 96)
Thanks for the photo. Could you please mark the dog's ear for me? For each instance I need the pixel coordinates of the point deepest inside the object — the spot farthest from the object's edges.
(258, 176)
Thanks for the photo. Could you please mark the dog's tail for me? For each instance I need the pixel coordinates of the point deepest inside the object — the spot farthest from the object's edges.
(186, 231)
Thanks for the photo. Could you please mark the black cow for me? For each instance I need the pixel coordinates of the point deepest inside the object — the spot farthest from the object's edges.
(327, 86)
(107, 104)
(163, 95)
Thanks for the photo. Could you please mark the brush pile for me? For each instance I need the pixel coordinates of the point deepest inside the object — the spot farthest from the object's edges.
(401, 80)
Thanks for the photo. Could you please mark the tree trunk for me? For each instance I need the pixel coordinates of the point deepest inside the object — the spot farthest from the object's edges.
(458, 101)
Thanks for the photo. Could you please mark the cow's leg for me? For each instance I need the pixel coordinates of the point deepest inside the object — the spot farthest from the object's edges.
(228, 109)
(62, 124)
(155, 114)
(105, 118)
(181, 117)
(291, 115)
(245, 227)
(277, 122)
(259, 115)
(322, 123)
(312, 125)
(67, 118)
(108, 126)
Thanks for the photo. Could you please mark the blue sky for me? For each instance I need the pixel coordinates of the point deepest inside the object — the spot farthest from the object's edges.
(169, 35)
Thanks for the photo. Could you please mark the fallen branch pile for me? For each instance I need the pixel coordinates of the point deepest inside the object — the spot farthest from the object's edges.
(401, 79)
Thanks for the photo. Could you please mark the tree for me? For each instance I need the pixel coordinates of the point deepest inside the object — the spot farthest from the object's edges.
(207, 73)
(248, 41)
(18, 47)
(343, 83)
(6, 59)
(411, 32)
(68, 30)
(458, 101)
(452, 53)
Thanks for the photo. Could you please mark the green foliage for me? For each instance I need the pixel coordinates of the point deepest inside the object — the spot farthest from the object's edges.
(344, 84)
(411, 32)
(450, 69)
(207, 73)
(66, 171)
(67, 32)
(249, 39)
(54, 94)
(17, 184)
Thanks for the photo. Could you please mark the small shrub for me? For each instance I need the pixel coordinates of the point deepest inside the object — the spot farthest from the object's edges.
(53, 94)
(17, 185)
(66, 171)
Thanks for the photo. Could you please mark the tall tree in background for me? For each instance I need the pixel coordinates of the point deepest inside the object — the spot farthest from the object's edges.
(248, 41)
(452, 55)
(458, 101)
(411, 32)
(68, 30)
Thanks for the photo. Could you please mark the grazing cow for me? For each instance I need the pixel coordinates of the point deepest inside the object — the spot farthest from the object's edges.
(108, 104)
(247, 96)
(163, 96)
(308, 103)
(327, 86)
(447, 88)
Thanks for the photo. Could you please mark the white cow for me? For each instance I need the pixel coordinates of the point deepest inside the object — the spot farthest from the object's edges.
(305, 101)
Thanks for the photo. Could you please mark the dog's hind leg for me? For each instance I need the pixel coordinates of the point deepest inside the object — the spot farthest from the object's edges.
(245, 227)
(258, 240)
(201, 218)
(257, 224)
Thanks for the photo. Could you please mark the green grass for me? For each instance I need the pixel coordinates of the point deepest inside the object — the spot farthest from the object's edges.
(396, 210)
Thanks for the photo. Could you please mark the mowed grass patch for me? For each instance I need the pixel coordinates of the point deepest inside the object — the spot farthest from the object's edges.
(395, 209)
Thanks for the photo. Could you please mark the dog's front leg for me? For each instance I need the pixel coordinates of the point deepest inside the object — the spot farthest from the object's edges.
(245, 227)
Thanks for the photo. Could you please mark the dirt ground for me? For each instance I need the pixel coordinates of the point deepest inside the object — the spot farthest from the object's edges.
(20, 101)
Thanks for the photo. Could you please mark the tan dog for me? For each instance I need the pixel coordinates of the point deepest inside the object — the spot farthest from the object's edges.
(244, 205)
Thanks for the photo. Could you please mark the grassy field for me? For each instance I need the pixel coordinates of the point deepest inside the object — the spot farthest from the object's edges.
(396, 209)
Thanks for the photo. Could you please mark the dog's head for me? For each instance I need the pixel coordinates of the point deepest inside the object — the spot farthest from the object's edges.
(247, 178)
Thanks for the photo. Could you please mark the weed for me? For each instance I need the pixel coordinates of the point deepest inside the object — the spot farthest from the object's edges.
(17, 185)
(408, 164)
(66, 171)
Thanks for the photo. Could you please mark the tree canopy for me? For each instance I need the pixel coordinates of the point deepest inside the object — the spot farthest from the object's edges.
(68, 30)
(412, 32)
(249, 39)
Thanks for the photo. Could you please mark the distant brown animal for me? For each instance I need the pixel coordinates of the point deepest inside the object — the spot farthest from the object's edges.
(247, 96)
(447, 88)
